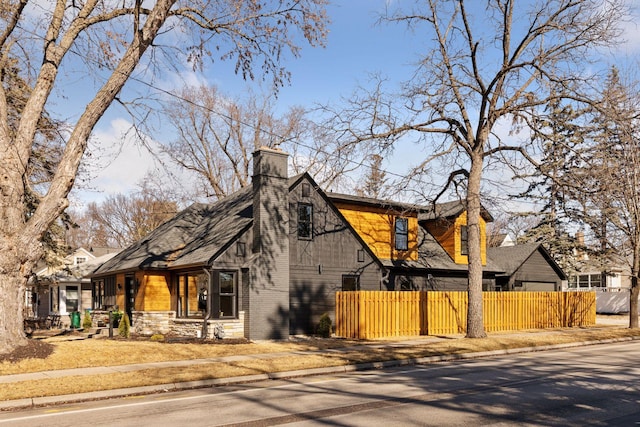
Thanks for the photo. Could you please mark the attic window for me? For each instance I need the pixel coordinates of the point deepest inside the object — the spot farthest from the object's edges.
(402, 234)
(241, 249)
(306, 189)
(464, 240)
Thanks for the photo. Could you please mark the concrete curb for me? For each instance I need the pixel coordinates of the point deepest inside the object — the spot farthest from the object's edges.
(163, 388)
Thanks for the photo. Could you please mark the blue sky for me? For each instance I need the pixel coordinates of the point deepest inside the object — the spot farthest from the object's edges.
(356, 47)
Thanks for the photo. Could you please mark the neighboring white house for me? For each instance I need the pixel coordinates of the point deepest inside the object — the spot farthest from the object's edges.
(501, 240)
(610, 278)
(65, 289)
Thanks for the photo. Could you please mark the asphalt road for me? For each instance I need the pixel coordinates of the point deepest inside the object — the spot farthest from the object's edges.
(594, 385)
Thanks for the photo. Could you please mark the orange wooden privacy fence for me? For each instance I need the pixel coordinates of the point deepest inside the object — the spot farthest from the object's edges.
(376, 314)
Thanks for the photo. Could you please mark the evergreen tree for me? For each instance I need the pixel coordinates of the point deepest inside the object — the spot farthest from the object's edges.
(605, 178)
(557, 134)
(374, 184)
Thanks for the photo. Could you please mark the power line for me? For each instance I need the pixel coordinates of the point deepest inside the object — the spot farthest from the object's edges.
(358, 164)
(251, 126)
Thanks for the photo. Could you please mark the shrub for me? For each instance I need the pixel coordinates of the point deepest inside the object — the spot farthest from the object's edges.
(157, 337)
(116, 316)
(324, 326)
(87, 323)
(124, 328)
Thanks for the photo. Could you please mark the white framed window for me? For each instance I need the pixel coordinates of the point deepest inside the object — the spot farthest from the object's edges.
(228, 296)
(69, 299)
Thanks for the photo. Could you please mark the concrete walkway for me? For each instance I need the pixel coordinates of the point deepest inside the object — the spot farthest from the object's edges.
(6, 380)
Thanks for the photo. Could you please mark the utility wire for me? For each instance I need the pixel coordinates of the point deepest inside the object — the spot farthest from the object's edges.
(359, 164)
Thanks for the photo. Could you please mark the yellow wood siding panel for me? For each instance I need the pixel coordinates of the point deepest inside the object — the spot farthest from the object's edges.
(444, 232)
(376, 228)
(120, 291)
(448, 234)
(154, 294)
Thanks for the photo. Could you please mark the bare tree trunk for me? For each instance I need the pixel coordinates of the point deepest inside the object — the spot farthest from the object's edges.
(475, 318)
(635, 290)
(250, 32)
(633, 303)
(14, 273)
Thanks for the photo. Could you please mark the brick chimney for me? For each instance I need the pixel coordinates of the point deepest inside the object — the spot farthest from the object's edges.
(268, 290)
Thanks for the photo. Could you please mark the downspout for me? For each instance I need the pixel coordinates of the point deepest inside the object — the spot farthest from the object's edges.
(207, 317)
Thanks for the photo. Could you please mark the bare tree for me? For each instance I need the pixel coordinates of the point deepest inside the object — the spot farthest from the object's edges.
(128, 218)
(110, 40)
(122, 219)
(217, 134)
(493, 63)
(85, 232)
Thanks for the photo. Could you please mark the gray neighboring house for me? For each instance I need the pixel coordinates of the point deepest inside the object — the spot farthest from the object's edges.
(67, 288)
(262, 263)
(527, 267)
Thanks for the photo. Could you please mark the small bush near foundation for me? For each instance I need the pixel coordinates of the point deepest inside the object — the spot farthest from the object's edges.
(124, 328)
(157, 337)
(87, 323)
(324, 326)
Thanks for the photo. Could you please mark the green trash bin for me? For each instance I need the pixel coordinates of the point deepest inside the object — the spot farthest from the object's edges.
(75, 320)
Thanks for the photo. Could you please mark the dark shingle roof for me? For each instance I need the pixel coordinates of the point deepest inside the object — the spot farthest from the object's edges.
(511, 258)
(449, 210)
(368, 201)
(425, 212)
(193, 237)
(434, 257)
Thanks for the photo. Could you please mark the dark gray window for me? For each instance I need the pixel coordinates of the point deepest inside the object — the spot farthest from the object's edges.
(464, 240)
(305, 221)
(104, 293)
(306, 189)
(350, 282)
(402, 234)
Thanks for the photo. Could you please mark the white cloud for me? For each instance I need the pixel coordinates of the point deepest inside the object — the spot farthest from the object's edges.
(630, 30)
(117, 163)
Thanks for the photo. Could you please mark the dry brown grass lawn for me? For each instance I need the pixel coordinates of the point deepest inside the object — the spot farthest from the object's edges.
(105, 352)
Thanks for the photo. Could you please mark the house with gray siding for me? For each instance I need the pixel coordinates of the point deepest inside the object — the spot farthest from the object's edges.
(527, 267)
(267, 261)
(262, 263)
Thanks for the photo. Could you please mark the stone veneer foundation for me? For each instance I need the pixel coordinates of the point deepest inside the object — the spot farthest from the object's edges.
(165, 322)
